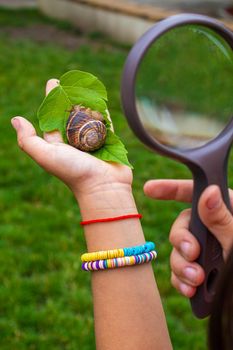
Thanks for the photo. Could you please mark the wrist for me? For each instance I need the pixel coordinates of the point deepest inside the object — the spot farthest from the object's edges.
(98, 181)
(104, 201)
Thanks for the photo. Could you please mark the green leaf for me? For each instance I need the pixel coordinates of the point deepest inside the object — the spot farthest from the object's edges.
(77, 78)
(54, 110)
(80, 88)
(85, 97)
(113, 150)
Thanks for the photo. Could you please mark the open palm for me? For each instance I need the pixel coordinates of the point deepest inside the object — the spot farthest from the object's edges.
(79, 170)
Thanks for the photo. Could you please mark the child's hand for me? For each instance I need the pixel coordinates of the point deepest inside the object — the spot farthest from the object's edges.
(186, 273)
(83, 173)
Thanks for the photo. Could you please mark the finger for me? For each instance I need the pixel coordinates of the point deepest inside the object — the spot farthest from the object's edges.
(216, 217)
(179, 190)
(51, 84)
(189, 273)
(53, 136)
(184, 289)
(30, 143)
(182, 239)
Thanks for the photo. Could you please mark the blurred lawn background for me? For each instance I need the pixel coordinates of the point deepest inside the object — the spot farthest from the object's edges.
(45, 298)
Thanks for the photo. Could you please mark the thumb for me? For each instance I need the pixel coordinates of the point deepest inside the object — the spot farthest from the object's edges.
(36, 147)
(217, 217)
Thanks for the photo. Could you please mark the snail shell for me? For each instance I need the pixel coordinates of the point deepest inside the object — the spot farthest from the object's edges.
(86, 129)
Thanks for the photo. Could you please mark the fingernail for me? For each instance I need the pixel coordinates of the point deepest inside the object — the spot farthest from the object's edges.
(190, 273)
(15, 123)
(214, 201)
(185, 248)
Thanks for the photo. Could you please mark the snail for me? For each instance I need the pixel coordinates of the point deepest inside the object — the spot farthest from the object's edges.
(85, 129)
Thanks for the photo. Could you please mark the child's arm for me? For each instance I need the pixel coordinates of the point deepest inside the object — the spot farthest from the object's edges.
(186, 274)
(127, 306)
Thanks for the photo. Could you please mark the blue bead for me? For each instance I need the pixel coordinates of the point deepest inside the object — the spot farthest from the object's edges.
(152, 246)
(105, 264)
(146, 248)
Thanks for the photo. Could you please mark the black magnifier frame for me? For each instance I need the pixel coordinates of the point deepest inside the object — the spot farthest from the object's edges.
(207, 163)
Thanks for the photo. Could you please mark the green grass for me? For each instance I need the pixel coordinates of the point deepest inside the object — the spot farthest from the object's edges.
(45, 298)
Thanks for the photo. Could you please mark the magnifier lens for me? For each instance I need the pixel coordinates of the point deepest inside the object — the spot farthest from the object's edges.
(184, 87)
(178, 76)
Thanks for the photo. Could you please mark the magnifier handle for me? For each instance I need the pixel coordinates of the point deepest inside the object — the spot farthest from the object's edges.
(211, 258)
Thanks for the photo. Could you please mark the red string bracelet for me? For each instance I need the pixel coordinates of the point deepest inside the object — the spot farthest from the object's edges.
(122, 217)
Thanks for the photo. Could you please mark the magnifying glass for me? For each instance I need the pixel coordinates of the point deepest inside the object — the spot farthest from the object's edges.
(177, 96)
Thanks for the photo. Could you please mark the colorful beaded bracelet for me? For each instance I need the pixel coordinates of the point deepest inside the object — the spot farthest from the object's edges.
(119, 262)
(118, 253)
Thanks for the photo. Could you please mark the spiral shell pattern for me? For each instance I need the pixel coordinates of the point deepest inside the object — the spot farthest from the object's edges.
(84, 129)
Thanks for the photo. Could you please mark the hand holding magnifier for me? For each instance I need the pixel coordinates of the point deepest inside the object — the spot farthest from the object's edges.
(177, 96)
